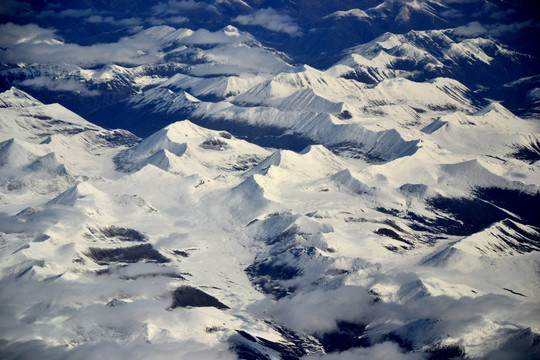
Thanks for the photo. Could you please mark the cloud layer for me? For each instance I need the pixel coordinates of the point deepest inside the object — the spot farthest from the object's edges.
(173, 7)
(477, 29)
(12, 35)
(33, 44)
(270, 19)
(51, 84)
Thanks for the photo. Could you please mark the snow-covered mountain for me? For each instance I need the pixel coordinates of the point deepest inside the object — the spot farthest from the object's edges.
(199, 74)
(178, 243)
(267, 180)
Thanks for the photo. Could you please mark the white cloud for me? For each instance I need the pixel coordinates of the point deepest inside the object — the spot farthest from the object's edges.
(476, 29)
(359, 14)
(499, 29)
(24, 318)
(140, 350)
(451, 13)
(96, 19)
(501, 15)
(174, 20)
(91, 16)
(51, 84)
(471, 29)
(32, 44)
(270, 19)
(203, 36)
(75, 13)
(11, 34)
(176, 7)
(318, 311)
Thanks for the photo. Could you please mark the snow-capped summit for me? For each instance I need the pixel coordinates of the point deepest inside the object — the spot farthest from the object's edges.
(15, 153)
(17, 98)
(186, 148)
(313, 162)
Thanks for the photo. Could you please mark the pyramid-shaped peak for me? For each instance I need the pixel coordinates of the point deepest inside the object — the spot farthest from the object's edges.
(494, 107)
(315, 149)
(165, 160)
(14, 153)
(48, 163)
(170, 138)
(313, 161)
(17, 98)
(186, 128)
(231, 30)
(70, 196)
(182, 131)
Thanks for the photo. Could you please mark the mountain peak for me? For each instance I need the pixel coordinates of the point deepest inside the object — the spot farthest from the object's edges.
(17, 98)
(230, 30)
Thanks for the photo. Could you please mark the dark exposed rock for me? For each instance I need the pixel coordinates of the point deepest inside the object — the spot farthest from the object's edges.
(124, 234)
(392, 248)
(246, 352)
(119, 138)
(293, 347)
(186, 296)
(127, 254)
(530, 154)
(523, 204)
(103, 271)
(291, 231)
(213, 329)
(392, 234)
(275, 270)
(225, 135)
(247, 335)
(468, 215)
(347, 336)
(115, 302)
(514, 292)
(252, 222)
(214, 144)
(153, 275)
(345, 115)
(267, 274)
(181, 253)
(522, 241)
(117, 233)
(446, 352)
